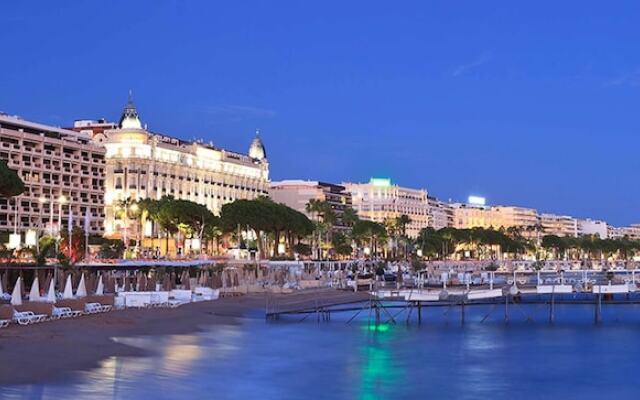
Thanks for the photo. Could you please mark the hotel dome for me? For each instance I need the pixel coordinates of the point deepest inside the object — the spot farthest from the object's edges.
(129, 118)
(256, 150)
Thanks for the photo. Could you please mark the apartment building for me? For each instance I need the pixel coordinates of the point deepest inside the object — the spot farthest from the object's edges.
(559, 225)
(298, 193)
(593, 227)
(63, 172)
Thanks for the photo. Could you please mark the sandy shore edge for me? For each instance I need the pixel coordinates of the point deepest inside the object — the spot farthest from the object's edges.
(52, 351)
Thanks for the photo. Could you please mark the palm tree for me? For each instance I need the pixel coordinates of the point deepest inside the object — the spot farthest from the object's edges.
(325, 219)
(402, 222)
(10, 182)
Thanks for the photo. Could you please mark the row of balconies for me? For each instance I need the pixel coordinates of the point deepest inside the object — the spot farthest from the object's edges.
(34, 152)
(32, 212)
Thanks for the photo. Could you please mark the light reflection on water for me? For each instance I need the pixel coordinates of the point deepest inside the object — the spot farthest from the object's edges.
(440, 359)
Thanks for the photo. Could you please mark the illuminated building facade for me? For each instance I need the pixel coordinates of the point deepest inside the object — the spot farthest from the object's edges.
(141, 164)
(593, 227)
(440, 214)
(559, 225)
(63, 172)
(467, 216)
(379, 200)
(298, 193)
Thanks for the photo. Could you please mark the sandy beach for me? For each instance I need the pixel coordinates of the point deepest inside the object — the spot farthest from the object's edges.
(53, 350)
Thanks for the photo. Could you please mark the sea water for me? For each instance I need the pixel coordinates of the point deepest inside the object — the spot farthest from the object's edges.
(528, 358)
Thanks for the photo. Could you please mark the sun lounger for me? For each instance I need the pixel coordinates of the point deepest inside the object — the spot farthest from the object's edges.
(65, 312)
(95, 308)
(74, 305)
(92, 308)
(106, 301)
(28, 317)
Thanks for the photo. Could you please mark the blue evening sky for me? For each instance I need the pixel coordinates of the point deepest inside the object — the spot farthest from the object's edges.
(528, 104)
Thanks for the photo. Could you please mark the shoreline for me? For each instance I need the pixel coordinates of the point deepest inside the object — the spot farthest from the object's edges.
(54, 351)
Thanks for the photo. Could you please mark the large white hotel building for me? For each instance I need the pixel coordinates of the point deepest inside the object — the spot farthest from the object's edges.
(96, 165)
(141, 164)
(380, 200)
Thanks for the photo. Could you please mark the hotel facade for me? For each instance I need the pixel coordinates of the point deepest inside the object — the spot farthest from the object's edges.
(380, 200)
(64, 174)
(471, 216)
(141, 164)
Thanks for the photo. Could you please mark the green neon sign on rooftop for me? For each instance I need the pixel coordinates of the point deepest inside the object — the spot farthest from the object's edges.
(380, 182)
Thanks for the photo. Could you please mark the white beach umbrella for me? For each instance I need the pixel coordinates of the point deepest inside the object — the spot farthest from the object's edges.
(68, 289)
(34, 293)
(82, 288)
(51, 294)
(16, 296)
(100, 288)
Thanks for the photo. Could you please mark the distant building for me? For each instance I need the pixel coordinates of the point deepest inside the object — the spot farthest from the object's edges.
(63, 172)
(631, 232)
(559, 225)
(95, 129)
(142, 164)
(380, 200)
(593, 227)
(467, 216)
(440, 214)
(298, 193)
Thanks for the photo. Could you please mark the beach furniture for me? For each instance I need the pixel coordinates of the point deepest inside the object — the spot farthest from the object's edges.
(6, 315)
(92, 308)
(75, 305)
(36, 308)
(106, 302)
(64, 312)
(28, 317)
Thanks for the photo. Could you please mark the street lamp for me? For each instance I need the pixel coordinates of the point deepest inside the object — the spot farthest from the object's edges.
(42, 200)
(61, 201)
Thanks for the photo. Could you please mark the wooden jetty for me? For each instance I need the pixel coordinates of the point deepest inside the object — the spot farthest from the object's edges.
(321, 303)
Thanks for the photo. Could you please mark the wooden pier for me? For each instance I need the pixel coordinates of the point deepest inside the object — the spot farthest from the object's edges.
(321, 303)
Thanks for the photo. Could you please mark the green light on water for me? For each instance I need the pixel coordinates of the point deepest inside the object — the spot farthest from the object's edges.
(379, 328)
